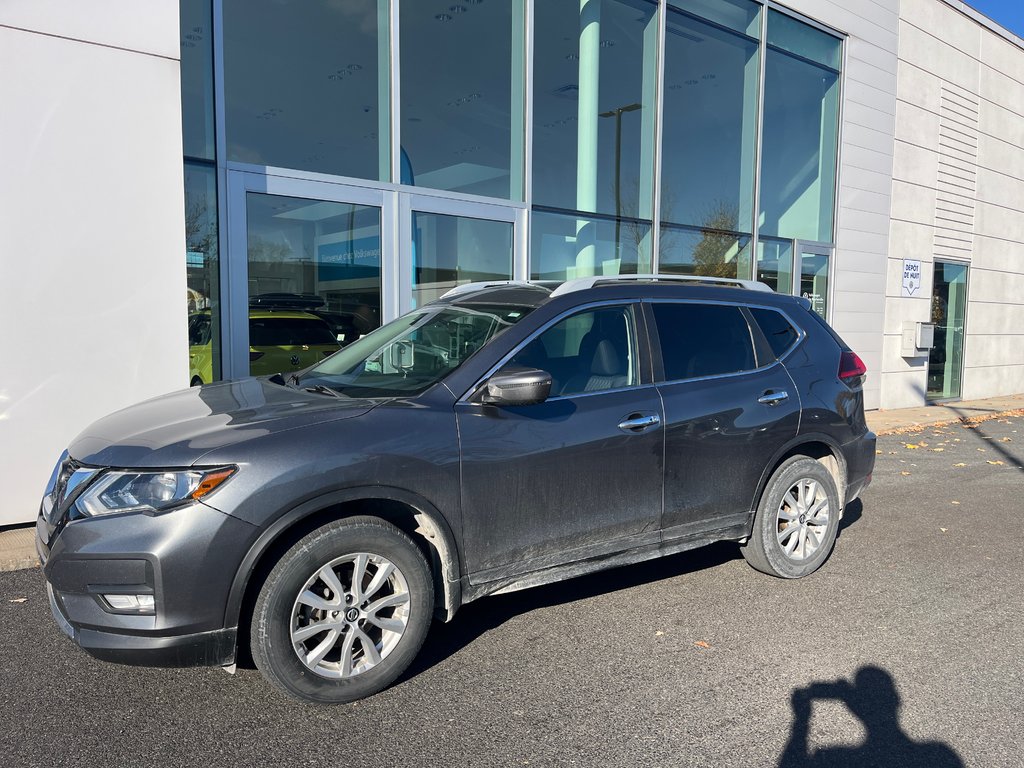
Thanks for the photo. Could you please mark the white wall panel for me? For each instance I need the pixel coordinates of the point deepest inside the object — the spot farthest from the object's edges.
(93, 316)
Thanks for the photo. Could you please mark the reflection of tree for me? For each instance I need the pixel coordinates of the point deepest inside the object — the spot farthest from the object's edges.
(200, 236)
(710, 254)
(263, 251)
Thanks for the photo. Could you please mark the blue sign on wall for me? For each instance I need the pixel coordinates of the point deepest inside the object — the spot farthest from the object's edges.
(349, 259)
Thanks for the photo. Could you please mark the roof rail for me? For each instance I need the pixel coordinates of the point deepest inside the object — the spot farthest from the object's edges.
(582, 283)
(459, 290)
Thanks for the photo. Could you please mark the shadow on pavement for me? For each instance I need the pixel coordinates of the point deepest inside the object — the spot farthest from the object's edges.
(481, 616)
(977, 430)
(872, 698)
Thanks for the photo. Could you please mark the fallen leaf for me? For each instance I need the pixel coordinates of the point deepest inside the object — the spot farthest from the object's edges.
(997, 462)
(954, 502)
(961, 464)
(20, 600)
(911, 446)
(879, 453)
(943, 529)
(938, 450)
(982, 450)
(1006, 440)
(659, 633)
(904, 472)
(701, 644)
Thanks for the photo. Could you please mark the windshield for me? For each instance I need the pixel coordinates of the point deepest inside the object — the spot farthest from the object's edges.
(409, 354)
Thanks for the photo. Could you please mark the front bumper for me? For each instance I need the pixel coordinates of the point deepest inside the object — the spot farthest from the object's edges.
(186, 559)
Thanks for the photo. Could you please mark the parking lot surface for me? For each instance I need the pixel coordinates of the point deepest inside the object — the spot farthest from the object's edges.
(905, 649)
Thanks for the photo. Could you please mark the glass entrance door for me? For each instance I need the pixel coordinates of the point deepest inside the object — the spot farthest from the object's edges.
(306, 271)
(949, 311)
(451, 242)
(813, 264)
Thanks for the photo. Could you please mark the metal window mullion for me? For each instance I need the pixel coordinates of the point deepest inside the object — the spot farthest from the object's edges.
(395, 79)
(659, 106)
(524, 258)
(232, 334)
(762, 58)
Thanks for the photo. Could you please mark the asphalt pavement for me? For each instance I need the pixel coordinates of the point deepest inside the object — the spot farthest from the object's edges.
(905, 649)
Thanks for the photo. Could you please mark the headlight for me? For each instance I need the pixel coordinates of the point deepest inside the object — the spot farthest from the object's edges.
(148, 491)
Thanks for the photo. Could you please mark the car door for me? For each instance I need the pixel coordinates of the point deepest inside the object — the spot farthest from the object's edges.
(728, 410)
(576, 476)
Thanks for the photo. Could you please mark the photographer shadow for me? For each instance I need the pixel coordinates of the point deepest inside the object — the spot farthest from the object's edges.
(873, 699)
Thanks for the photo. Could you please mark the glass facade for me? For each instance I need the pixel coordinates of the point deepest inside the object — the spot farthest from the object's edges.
(557, 139)
(949, 313)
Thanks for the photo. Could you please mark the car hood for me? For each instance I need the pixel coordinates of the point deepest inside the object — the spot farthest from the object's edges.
(179, 428)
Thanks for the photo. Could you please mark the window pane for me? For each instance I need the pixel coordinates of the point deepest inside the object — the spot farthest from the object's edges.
(462, 96)
(686, 251)
(314, 279)
(565, 247)
(306, 85)
(703, 340)
(202, 270)
(593, 128)
(776, 329)
(814, 281)
(738, 15)
(588, 352)
(798, 160)
(775, 264)
(197, 78)
(949, 308)
(794, 36)
(450, 250)
(710, 126)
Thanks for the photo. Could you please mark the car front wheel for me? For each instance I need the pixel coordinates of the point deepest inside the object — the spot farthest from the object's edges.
(796, 522)
(344, 612)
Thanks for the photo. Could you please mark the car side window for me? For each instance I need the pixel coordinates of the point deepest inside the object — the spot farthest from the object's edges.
(591, 351)
(776, 329)
(703, 340)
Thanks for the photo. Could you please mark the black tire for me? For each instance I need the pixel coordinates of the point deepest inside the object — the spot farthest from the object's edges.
(766, 548)
(300, 570)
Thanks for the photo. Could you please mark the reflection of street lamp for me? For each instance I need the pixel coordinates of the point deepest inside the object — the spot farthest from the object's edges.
(617, 114)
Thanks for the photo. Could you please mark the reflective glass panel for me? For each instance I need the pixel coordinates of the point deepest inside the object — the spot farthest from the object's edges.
(702, 340)
(595, 77)
(814, 280)
(737, 15)
(710, 125)
(949, 312)
(798, 156)
(314, 279)
(687, 251)
(202, 273)
(565, 247)
(196, 21)
(794, 36)
(451, 250)
(462, 96)
(775, 264)
(306, 85)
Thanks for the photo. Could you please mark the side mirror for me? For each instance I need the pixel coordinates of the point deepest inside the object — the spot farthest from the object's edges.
(517, 386)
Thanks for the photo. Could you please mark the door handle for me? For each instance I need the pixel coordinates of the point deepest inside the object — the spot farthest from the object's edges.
(773, 398)
(639, 423)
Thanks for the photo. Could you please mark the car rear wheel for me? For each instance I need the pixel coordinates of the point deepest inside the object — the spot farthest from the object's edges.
(796, 522)
(344, 612)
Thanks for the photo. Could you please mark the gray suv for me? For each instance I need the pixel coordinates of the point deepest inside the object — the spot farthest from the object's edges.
(505, 436)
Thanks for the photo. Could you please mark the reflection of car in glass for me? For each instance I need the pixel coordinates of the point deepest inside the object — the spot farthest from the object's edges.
(279, 342)
(502, 437)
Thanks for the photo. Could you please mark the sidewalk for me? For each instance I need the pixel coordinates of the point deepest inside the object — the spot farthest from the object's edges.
(17, 545)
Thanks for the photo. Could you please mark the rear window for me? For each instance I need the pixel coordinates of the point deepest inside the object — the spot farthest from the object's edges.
(289, 332)
(776, 329)
(703, 340)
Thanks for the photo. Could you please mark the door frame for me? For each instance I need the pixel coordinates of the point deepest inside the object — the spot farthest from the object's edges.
(819, 249)
(396, 203)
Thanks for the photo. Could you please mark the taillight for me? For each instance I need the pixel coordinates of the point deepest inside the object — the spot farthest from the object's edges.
(851, 368)
(254, 355)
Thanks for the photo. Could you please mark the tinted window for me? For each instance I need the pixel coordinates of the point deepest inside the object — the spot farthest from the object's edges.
(703, 340)
(588, 352)
(776, 328)
(289, 332)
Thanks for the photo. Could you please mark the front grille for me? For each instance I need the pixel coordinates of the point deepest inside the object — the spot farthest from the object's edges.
(66, 484)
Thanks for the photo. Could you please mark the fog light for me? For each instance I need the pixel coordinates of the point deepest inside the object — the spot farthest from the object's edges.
(140, 603)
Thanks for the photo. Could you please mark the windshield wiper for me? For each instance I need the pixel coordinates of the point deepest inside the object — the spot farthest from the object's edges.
(322, 390)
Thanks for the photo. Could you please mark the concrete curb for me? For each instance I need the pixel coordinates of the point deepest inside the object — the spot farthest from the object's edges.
(18, 549)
